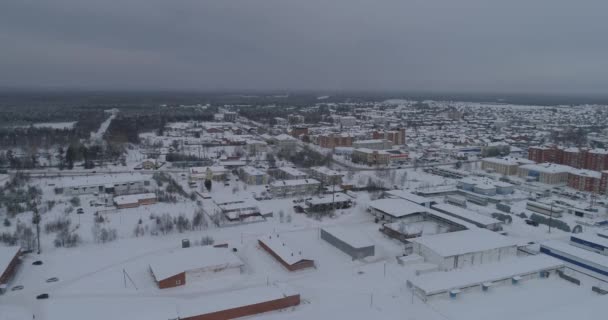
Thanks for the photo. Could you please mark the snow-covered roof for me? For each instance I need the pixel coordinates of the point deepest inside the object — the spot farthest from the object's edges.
(281, 249)
(587, 173)
(295, 182)
(162, 307)
(203, 170)
(590, 256)
(102, 179)
(405, 195)
(591, 238)
(326, 171)
(397, 207)
(292, 171)
(466, 241)
(252, 171)
(509, 161)
(329, 199)
(354, 239)
(182, 260)
(443, 281)
(133, 198)
(547, 168)
(6, 256)
(466, 214)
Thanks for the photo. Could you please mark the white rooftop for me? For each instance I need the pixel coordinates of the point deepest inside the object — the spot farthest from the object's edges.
(292, 171)
(565, 247)
(408, 196)
(295, 182)
(466, 214)
(283, 250)
(132, 198)
(443, 281)
(466, 241)
(548, 168)
(351, 237)
(185, 259)
(102, 179)
(397, 207)
(252, 171)
(326, 171)
(592, 238)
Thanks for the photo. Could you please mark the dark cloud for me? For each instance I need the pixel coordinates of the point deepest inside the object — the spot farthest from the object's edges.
(549, 46)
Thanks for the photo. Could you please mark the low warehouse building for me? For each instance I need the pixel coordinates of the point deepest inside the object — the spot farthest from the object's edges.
(481, 278)
(352, 243)
(394, 209)
(469, 216)
(581, 258)
(456, 250)
(289, 258)
(9, 259)
(182, 265)
(590, 242)
(405, 195)
(134, 200)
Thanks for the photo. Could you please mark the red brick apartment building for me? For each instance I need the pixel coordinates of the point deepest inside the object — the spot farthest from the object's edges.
(335, 140)
(594, 159)
(397, 137)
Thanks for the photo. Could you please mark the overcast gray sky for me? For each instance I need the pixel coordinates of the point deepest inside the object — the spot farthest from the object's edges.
(545, 46)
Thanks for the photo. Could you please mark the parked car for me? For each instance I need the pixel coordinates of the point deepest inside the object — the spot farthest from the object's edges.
(42, 296)
(53, 279)
(531, 222)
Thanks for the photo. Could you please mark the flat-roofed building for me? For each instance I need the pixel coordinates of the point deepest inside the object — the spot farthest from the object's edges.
(456, 250)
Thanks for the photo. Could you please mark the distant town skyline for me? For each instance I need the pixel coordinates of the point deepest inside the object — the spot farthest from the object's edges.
(548, 47)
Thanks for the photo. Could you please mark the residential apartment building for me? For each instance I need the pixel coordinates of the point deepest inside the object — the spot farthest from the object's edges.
(335, 140)
(285, 188)
(370, 157)
(326, 176)
(374, 144)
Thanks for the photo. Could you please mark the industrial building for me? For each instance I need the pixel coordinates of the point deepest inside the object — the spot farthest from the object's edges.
(482, 278)
(469, 216)
(134, 200)
(9, 260)
(405, 195)
(352, 243)
(185, 265)
(456, 250)
(546, 209)
(581, 258)
(288, 257)
(394, 209)
(590, 242)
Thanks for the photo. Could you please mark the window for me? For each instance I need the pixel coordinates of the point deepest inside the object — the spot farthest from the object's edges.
(178, 282)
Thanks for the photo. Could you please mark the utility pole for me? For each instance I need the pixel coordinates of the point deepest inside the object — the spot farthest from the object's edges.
(36, 221)
(551, 217)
